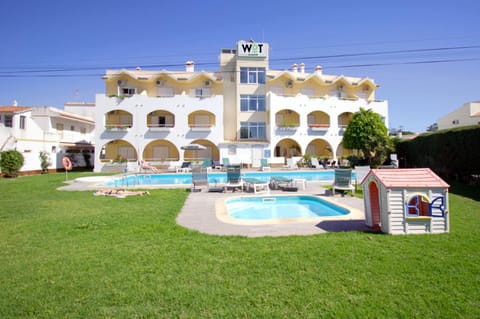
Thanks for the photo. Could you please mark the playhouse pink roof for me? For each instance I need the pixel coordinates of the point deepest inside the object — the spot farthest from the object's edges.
(407, 177)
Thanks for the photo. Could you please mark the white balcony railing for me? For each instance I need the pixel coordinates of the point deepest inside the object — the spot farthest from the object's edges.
(118, 127)
(195, 127)
(160, 127)
(319, 127)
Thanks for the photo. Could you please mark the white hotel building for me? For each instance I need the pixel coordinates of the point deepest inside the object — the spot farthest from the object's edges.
(244, 112)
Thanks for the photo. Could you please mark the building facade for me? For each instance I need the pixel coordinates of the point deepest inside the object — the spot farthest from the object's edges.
(467, 114)
(31, 130)
(244, 112)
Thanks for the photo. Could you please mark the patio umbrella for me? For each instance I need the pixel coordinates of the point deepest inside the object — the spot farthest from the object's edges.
(193, 147)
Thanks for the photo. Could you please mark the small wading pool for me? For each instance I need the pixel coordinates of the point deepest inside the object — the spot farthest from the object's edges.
(271, 208)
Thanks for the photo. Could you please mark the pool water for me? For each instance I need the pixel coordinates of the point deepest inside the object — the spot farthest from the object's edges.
(214, 177)
(281, 207)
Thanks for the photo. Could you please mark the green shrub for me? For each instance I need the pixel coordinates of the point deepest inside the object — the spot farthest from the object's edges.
(11, 161)
(453, 154)
(44, 162)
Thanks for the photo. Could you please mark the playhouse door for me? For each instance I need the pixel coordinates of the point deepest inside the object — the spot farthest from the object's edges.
(374, 205)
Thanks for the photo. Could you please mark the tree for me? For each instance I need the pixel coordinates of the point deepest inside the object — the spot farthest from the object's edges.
(11, 162)
(368, 134)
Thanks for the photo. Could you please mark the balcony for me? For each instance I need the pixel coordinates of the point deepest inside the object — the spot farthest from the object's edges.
(160, 127)
(319, 127)
(118, 127)
(288, 126)
(201, 127)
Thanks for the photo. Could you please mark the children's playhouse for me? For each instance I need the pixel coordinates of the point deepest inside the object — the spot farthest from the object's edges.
(406, 201)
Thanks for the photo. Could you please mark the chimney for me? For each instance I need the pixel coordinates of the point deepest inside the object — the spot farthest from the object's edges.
(302, 67)
(294, 68)
(15, 103)
(318, 70)
(190, 66)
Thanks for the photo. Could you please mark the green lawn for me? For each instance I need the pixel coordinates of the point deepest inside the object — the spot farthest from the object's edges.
(73, 255)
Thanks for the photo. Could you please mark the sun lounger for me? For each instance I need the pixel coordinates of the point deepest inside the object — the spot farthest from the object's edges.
(207, 164)
(264, 165)
(316, 164)
(234, 179)
(199, 177)
(147, 167)
(225, 162)
(257, 185)
(291, 164)
(185, 168)
(280, 182)
(216, 164)
(343, 180)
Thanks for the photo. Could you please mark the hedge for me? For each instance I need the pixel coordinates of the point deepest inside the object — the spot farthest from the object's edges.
(452, 154)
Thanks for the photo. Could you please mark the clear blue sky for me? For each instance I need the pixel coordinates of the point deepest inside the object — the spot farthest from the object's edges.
(56, 51)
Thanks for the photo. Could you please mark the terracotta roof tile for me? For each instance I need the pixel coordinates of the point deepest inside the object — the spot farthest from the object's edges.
(408, 178)
(14, 109)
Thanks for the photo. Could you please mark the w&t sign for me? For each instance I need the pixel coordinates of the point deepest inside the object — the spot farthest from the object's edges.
(252, 49)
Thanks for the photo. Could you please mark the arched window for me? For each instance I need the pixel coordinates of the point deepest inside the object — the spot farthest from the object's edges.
(418, 206)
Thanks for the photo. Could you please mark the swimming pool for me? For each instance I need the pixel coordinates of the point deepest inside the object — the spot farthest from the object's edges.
(270, 208)
(213, 177)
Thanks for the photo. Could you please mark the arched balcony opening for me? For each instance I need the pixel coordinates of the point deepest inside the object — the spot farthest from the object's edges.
(118, 151)
(160, 120)
(288, 148)
(344, 119)
(209, 151)
(201, 121)
(343, 153)
(320, 149)
(318, 121)
(160, 151)
(287, 118)
(118, 120)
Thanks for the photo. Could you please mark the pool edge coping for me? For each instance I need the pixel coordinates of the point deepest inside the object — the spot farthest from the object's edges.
(222, 215)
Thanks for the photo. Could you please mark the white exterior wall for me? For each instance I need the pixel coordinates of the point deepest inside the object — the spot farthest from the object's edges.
(399, 224)
(304, 105)
(467, 114)
(435, 224)
(24, 141)
(41, 135)
(397, 212)
(248, 154)
(139, 135)
(80, 108)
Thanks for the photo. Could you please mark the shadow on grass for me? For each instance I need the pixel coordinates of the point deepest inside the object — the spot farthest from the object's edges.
(337, 226)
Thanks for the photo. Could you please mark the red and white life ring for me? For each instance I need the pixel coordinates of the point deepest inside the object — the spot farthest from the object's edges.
(67, 163)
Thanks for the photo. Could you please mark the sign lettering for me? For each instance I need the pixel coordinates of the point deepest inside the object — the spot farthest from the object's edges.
(251, 49)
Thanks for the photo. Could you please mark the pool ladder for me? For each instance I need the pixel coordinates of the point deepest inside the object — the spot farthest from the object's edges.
(125, 181)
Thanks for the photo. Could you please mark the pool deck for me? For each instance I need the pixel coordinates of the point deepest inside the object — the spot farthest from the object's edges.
(201, 208)
(200, 213)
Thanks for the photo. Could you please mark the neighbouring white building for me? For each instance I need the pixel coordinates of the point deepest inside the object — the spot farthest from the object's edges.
(31, 130)
(244, 112)
(467, 114)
